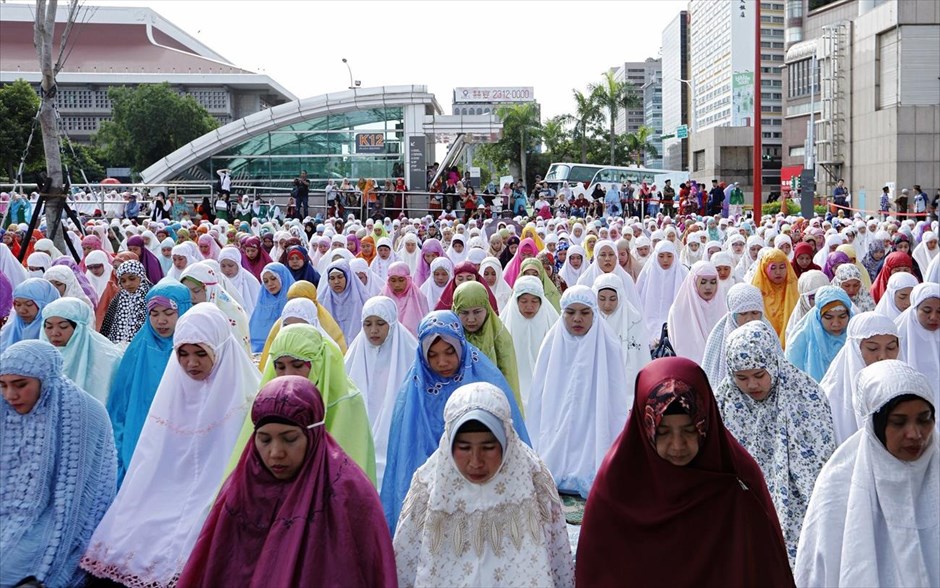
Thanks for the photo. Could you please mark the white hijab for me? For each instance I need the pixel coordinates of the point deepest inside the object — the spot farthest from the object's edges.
(187, 250)
(431, 290)
(373, 284)
(873, 519)
(839, 381)
(921, 347)
(657, 288)
(502, 290)
(578, 385)
(244, 285)
(567, 271)
(808, 284)
(379, 266)
(627, 324)
(379, 371)
(12, 268)
(99, 257)
(527, 334)
(594, 271)
(411, 259)
(898, 281)
(691, 317)
(179, 462)
(922, 255)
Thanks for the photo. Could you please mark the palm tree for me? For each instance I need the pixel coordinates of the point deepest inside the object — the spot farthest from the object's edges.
(521, 122)
(638, 144)
(557, 138)
(614, 95)
(587, 112)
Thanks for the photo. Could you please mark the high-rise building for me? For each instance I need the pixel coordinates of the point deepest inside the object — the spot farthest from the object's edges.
(869, 72)
(638, 73)
(653, 118)
(722, 56)
(676, 110)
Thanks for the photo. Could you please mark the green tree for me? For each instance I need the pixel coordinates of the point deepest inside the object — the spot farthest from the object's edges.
(557, 138)
(18, 106)
(613, 96)
(86, 158)
(521, 132)
(148, 122)
(587, 113)
(633, 147)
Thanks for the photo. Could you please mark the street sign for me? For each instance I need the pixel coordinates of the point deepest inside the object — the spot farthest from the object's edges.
(682, 132)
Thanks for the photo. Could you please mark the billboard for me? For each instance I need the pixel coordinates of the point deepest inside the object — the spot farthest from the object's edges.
(493, 94)
(742, 98)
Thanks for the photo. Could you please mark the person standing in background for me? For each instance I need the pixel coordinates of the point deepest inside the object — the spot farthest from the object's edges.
(301, 194)
(901, 202)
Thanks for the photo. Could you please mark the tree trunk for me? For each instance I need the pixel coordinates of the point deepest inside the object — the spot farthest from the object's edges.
(522, 160)
(613, 138)
(584, 144)
(43, 33)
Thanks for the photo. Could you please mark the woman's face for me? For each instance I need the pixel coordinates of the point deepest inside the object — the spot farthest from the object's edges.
(835, 320)
(163, 320)
(606, 260)
(472, 318)
(58, 330)
(292, 366)
(250, 252)
(753, 251)
(59, 286)
(908, 430)
(229, 268)
(879, 347)
(441, 277)
(20, 392)
(902, 298)
(464, 277)
(398, 284)
(376, 330)
(531, 271)
(489, 274)
(786, 248)
(742, 318)
(513, 247)
(271, 283)
(804, 260)
(337, 282)
(607, 301)
(130, 282)
(755, 383)
(724, 272)
(430, 256)
(903, 246)
(877, 254)
(136, 250)
(204, 249)
(851, 287)
(367, 248)
(576, 259)
(707, 287)
(282, 448)
(351, 246)
(197, 292)
(928, 314)
(295, 262)
(529, 305)
(179, 262)
(578, 319)
(443, 359)
(737, 247)
(677, 439)
(477, 455)
(25, 309)
(410, 246)
(195, 361)
(900, 269)
(665, 259)
(777, 272)
(384, 251)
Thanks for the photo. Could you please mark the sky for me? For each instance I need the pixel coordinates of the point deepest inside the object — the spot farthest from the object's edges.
(553, 46)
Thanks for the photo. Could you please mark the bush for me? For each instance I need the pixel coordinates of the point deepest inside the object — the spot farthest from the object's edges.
(774, 207)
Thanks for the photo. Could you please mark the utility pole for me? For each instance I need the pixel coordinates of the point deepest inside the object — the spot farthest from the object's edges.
(758, 137)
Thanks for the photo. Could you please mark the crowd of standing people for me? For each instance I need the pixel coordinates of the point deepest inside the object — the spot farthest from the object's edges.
(247, 401)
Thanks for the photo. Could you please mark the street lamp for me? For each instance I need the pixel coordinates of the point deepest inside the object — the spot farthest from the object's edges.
(353, 84)
(691, 120)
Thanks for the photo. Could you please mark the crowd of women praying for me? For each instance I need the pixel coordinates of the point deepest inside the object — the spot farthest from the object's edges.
(423, 402)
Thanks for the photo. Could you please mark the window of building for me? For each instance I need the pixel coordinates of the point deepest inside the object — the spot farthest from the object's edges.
(698, 160)
(797, 151)
(886, 70)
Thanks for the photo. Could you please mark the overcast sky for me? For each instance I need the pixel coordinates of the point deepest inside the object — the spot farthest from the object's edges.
(553, 46)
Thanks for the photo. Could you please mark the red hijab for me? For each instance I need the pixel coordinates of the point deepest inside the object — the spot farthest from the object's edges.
(255, 267)
(323, 528)
(651, 523)
(803, 248)
(892, 262)
(447, 296)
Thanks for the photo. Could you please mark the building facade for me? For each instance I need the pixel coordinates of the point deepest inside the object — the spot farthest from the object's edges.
(653, 118)
(637, 73)
(675, 94)
(115, 46)
(862, 90)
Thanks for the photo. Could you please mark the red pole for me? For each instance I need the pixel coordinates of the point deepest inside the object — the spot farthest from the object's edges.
(758, 139)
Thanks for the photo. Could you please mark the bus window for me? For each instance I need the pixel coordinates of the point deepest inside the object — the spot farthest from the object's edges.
(557, 173)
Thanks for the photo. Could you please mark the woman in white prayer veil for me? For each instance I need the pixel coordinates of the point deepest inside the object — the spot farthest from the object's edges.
(492, 272)
(872, 337)
(933, 271)
(808, 284)
(745, 304)
(242, 284)
(185, 253)
(606, 261)
(873, 518)
(430, 288)
(191, 429)
(897, 297)
(695, 311)
(580, 393)
(528, 316)
(378, 361)
(373, 284)
(726, 278)
(625, 321)
(658, 285)
(919, 331)
(927, 250)
(379, 265)
(410, 251)
(568, 272)
(752, 248)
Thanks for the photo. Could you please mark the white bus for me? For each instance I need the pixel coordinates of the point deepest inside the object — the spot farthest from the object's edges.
(583, 177)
